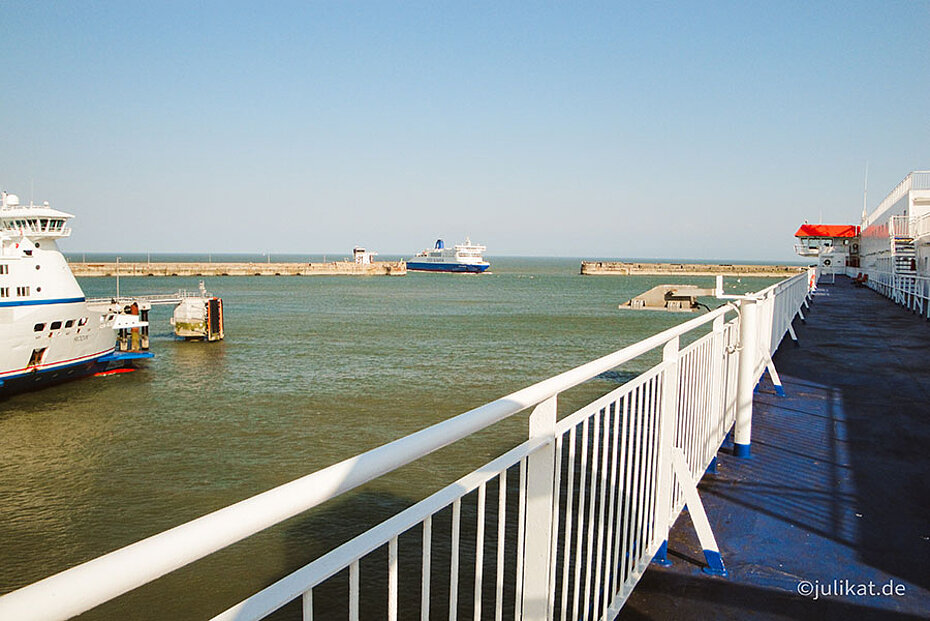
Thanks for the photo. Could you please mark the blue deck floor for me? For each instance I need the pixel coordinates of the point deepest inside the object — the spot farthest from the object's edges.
(838, 485)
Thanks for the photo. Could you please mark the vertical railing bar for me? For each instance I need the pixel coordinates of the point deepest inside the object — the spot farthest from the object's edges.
(576, 596)
(713, 382)
(635, 535)
(599, 546)
(479, 549)
(566, 549)
(713, 386)
(649, 458)
(687, 395)
(392, 579)
(454, 567)
(353, 591)
(611, 567)
(628, 534)
(679, 425)
(554, 545)
(657, 463)
(425, 576)
(641, 485)
(707, 391)
(521, 526)
(307, 605)
(501, 530)
(622, 495)
(684, 421)
(648, 452)
(592, 495)
(700, 440)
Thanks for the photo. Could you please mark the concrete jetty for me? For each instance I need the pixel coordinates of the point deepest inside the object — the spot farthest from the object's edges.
(620, 268)
(331, 268)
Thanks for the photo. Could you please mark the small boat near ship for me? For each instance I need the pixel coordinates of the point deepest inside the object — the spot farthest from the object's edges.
(198, 316)
(49, 333)
(465, 258)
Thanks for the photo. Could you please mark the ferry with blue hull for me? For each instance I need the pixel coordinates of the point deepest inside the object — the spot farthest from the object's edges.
(461, 258)
(49, 333)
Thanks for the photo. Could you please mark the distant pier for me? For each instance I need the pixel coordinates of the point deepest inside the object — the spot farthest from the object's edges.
(618, 268)
(331, 268)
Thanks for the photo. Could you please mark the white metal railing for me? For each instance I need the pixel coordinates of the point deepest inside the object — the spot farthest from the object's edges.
(910, 291)
(916, 180)
(586, 501)
(806, 251)
(916, 227)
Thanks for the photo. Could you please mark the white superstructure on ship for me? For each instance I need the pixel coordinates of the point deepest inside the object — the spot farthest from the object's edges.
(48, 332)
(466, 257)
(895, 237)
(890, 248)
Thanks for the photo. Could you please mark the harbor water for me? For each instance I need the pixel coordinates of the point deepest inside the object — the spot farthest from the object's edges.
(313, 370)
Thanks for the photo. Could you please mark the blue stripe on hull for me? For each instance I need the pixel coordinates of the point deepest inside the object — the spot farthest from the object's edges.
(446, 267)
(41, 302)
(33, 380)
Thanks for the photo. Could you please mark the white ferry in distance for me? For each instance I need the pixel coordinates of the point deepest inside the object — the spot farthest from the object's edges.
(465, 257)
(48, 332)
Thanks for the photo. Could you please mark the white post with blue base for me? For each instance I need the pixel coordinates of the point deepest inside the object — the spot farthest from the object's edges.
(705, 533)
(746, 378)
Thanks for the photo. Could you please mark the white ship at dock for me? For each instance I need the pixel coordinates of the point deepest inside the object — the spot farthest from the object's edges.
(49, 333)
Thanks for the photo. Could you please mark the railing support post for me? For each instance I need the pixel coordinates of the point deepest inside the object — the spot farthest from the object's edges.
(667, 425)
(540, 480)
(746, 380)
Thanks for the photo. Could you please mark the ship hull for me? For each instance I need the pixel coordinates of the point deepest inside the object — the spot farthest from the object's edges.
(463, 268)
(41, 378)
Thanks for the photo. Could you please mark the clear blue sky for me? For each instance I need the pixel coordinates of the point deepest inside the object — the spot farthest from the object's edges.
(693, 129)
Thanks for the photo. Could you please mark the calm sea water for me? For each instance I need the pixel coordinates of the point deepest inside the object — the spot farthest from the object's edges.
(313, 370)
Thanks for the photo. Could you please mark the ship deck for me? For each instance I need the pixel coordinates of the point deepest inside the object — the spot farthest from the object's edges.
(837, 489)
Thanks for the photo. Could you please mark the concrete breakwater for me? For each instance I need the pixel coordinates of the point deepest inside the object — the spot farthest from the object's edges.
(619, 268)
(331, 268)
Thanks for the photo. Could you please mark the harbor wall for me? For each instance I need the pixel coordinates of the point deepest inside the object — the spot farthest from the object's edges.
(619, 268)
(331, 268)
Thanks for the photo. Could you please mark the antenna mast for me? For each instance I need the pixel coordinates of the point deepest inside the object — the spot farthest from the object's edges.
(865, 194)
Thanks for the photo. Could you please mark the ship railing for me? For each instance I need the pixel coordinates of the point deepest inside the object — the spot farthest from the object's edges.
(154, 299)
(916, 227)
(806, 251)
(581, 508)
(916, 180)
(912, 291)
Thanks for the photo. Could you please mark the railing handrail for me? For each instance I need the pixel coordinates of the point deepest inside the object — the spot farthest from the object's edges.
(94, 582)
(904, 186)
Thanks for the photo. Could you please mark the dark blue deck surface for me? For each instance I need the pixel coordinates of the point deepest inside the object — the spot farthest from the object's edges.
(838, 485)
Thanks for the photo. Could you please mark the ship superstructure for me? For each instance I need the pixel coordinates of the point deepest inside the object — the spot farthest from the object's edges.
(896, 235)
(466, 257)
(48, 332)
(834, 246)
(891, 242)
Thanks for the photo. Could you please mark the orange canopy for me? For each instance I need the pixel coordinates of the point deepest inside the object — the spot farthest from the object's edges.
(827, 230)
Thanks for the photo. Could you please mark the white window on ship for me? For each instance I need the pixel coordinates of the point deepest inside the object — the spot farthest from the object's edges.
(22, 291)
(4, 292)
(4, 269)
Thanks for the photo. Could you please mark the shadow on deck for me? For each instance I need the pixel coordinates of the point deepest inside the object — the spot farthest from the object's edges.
(837, 488)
